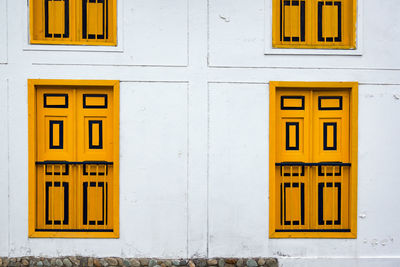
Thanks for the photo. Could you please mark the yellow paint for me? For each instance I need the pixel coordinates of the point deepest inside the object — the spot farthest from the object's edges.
(311, 149)
(56, 23)
(291, 24)
(294, 103)
(73, 146)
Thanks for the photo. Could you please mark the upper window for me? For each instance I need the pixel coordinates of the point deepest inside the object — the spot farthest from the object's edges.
(313, 159)
(314, 24)
(83, 22)
(73, 158)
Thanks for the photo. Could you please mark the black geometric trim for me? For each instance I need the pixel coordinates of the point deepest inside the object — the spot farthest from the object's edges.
(95, 95)
(100, 145)
(85, 172)
(283, 214)
(321, 204)
(288, 147)
(315, 230)
(104, 202)
(322, 173)
(104, 34)
(66, 203)
(302, 21)
(55, 106)
(320, 98)
(50, 172)
(334, 125)
(287, 174)
(337, 38)
(46, 20)
(283, 107)
(60, 134)
(74, 230)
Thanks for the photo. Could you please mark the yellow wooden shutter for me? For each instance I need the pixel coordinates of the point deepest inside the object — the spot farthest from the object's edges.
(314, 24)
(74, 170)
(312, 171)
(84, 22)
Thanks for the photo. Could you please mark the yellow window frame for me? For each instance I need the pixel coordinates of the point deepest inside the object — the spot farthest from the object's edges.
(274, 86)
(74, 35)
(33, 86)
(311, 26)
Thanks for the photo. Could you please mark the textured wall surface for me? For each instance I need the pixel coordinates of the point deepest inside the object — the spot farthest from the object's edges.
(194, 130)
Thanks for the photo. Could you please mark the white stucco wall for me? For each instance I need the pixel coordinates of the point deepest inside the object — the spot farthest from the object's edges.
(194, 131)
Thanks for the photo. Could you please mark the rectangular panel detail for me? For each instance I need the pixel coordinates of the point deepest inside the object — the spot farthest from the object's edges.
(292, 20)
(55, 100)
(56, 18)
(292, 136)
(330, 102)
(94, 19)
(329, 21)
(95, 202)
(330, 136)
(53, 200)
(56, 134)
(95, 134)
(292, 102)
(94, 101)
(322, 207)
(292, 200)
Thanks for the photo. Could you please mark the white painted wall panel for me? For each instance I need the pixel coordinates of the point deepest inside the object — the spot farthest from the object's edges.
(3, 168)
(150, 33)
(153, 178)
(237, 37)
(194, 131)
(3, 31)
(238, 169)
(238, 179)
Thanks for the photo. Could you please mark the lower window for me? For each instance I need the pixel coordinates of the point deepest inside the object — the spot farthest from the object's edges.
(313, 159)
(73, 158)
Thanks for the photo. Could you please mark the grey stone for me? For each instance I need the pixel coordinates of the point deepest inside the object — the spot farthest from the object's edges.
(221, 263)
(59, 262)
(126, 263)
(144, 262)
(240, 263)
(157, 265)
(46, 263)
(96, 262)
(271, 262)
(212, 262)
(67, 262)
(261, 261)
(168, 263)
(112, 261)
(251, 263)
(176, 262)
(152, 263)
(183, 262)
(39, 263)
(103, 262)
(135, 262)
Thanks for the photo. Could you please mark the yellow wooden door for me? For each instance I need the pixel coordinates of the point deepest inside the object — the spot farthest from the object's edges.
(74, 167)
(312, 155)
